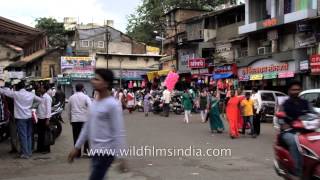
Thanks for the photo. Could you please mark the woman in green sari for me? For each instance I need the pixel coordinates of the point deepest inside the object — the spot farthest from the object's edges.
(216, 123)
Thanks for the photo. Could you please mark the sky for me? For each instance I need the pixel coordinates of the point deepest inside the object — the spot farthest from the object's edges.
(86, 11)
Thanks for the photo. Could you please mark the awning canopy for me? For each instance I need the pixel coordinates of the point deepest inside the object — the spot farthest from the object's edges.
(151, 75)
(222, 76)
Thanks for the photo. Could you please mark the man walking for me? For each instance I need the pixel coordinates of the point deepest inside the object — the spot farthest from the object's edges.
(247, 109)
(60, 97)
(167, 99)
(79, 104)
(256, 111)
(105, 129)
(44, 115)
(23, 101)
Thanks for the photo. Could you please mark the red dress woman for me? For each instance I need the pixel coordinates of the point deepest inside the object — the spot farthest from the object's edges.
(233, 113)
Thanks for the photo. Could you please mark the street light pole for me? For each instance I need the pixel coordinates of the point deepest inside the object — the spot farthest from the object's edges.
(121, 72)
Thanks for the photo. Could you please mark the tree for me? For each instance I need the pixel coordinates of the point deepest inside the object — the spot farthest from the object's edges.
(54, 30)
(149, 16)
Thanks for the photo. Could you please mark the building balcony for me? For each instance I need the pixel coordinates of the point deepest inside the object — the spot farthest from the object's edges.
(279, 20)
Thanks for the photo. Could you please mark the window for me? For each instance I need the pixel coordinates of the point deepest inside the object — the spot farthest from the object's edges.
(85, 43)
(280, 95)
(267, 97)
(313, 99)
(100, 44)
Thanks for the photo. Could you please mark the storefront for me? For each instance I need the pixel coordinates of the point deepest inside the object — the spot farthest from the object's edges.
(267, 74)
(129, 78)
(200, 72)
(225, 77)
(314, 66)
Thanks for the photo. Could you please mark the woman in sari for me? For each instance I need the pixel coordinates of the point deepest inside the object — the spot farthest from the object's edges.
(233, 111)
(216, 123)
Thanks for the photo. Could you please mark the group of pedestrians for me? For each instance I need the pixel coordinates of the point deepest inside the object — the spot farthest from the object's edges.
(23, 122)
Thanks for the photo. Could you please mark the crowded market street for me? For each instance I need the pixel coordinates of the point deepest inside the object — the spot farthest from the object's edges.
(251, 159)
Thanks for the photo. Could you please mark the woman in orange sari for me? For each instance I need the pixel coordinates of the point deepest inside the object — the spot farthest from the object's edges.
(233, 113)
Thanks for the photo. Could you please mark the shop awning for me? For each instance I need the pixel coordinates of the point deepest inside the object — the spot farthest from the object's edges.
(151, 75)
(222, 76)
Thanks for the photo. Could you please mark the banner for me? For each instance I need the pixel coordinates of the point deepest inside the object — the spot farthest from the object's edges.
(255, 77)
(315, 64)
(78, 67)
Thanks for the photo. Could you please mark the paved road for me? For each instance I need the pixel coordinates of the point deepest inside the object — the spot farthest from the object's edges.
(251, 159)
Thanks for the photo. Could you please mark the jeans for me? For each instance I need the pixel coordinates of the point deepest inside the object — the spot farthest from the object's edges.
(289, 139)
(248, 119)
(24, 127)
(100, 166)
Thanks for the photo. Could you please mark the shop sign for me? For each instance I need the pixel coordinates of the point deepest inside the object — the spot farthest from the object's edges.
(286, 74)
(270, 75)
(16, 74)
(266, 69)
(82, 75)
(270, 22)
(64, 80)
(200, 71)
(197, 63)
(78, 66)
(244, 78)
(255, 77)
(315, 64)
(304, 65)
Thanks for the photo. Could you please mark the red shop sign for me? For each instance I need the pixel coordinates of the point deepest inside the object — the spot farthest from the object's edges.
(197, 63)
(315, 64)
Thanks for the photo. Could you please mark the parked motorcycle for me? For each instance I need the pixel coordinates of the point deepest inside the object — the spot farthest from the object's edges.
(176, 105)
(56, 120)
(308, 140)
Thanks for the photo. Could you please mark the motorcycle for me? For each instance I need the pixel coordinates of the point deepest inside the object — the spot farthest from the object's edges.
(56, 120)
(308, 141)
(176, 105)
(157, 105)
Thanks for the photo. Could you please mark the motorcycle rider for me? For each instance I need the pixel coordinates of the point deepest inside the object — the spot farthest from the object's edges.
(294, 107)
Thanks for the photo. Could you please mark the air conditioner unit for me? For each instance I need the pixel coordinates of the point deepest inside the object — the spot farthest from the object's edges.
(263, 50)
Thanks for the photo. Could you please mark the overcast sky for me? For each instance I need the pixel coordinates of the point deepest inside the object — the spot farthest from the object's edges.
(26, 11)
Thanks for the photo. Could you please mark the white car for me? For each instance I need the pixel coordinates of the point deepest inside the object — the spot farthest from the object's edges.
(313, 97)
(267, 101)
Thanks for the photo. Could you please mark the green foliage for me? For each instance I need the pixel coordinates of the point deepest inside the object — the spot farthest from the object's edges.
(54, 30)
(149, 16)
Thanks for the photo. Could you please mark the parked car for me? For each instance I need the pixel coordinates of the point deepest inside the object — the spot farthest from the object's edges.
(313, 97)
(267, 101)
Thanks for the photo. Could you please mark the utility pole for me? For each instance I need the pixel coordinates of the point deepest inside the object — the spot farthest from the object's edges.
(120, 72)
(107, 39)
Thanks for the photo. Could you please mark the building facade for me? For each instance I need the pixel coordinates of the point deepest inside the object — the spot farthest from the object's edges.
(283, 37)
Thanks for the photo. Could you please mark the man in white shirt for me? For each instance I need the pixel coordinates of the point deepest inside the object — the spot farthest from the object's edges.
(23, 101)
(256, 111)
(44, 115)
(167, 98)
(79, 104)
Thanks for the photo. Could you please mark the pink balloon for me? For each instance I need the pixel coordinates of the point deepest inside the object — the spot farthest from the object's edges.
(171, 80)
